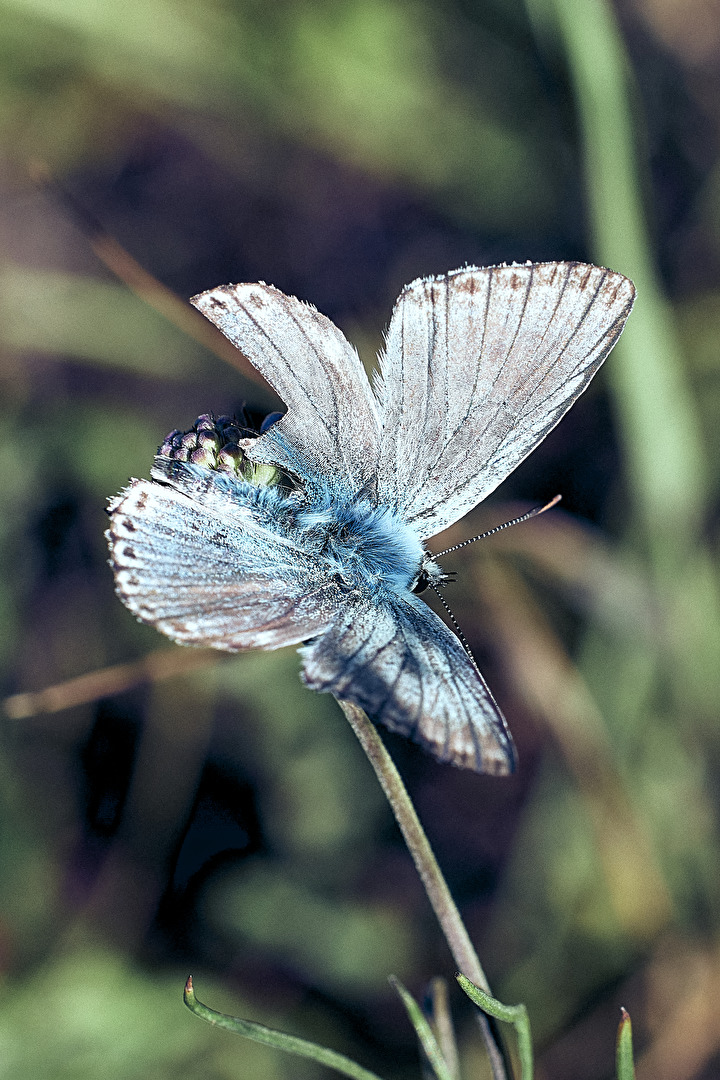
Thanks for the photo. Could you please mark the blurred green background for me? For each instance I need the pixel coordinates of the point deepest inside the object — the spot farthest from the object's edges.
(163, 812)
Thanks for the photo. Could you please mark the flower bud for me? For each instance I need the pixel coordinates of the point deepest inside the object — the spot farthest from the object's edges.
(204, 457)
(230, 459)
(221, 443)
(208, 440)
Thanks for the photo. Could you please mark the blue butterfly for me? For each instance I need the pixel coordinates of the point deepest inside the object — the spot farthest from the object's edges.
(479, 365)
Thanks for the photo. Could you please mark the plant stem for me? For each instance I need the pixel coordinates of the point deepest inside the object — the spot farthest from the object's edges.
(435, 885)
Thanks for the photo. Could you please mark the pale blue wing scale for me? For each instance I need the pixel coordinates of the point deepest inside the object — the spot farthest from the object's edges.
(480, 365)
(202, 558)
(329, 436)
(400, 663)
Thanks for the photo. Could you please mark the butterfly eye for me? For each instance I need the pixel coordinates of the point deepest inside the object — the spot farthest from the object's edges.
(421, 583)
(429, 574)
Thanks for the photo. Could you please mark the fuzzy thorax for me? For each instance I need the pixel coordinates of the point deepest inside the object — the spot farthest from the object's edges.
(368, 547)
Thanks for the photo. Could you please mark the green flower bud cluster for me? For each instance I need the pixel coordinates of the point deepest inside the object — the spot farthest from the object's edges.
(220, 443)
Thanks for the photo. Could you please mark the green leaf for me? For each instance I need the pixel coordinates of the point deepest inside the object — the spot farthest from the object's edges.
(516, 1015)
(624, 1053)
(289, 1043)
(424, 1032)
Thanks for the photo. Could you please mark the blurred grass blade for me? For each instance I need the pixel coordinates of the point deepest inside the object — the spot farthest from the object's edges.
(429, 1043)
(118, 679)
(661, 429)
(289, 1043)
(624, 1057)
(94, 321)
(557, 692)
(141, 282)
(438, 1008)
(516, 1015)
(599, 581)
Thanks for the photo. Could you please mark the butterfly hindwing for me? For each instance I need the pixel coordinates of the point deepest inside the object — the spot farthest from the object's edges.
(402, 665)
(204, 562)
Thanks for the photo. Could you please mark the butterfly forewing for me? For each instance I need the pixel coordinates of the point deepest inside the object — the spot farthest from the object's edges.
(330, 434)
(402, 665)
(480, 365)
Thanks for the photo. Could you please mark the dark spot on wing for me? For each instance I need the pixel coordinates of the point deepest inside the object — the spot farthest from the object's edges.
(129, 552)
(141, 500)
(466, 283)
(585, 278)
(129, 524)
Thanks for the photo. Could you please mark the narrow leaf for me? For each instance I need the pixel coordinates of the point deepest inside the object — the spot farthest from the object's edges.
(510, 1014)
(424, 1032)
(289, 1043)
(624, 1052)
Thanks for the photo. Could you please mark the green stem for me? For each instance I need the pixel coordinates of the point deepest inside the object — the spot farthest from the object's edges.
(435, 885)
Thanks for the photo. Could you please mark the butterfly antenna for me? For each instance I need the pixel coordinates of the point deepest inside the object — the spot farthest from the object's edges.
(499, 528)
(456, 626)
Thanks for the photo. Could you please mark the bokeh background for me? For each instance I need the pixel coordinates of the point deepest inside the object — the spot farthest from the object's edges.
(163, 811)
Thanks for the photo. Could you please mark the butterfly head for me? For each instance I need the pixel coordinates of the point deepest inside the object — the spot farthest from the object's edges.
(430, 575)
